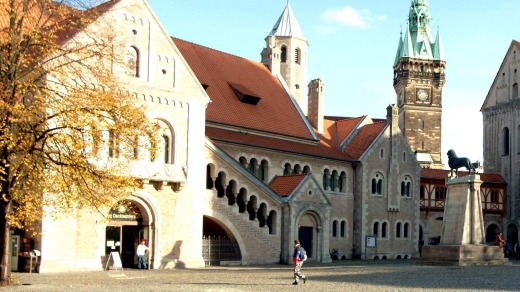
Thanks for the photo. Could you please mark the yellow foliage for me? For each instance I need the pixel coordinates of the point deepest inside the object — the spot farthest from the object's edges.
(59, 101)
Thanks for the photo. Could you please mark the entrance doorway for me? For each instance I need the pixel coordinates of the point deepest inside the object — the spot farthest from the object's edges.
(124, 233)
(305, 237)
(124, 239)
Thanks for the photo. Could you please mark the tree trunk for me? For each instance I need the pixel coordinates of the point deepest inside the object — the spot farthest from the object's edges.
(5, 258)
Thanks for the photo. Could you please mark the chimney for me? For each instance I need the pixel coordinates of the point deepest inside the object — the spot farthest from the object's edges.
(316, 98)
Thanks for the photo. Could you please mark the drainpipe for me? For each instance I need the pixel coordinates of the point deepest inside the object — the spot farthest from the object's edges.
(282, 237)
(354, 191)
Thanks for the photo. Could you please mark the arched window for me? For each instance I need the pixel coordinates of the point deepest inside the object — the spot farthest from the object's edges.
(133, 62)
(398, 230)
(375, 229)
(333, 180)
(166, 149)
(343, 229)
(287, 169)
(167, 142)
(406, 226)
(383, 229)
(326, 181)
(515, 90)
(377, 185)
(342, 182)
(505, 141)
(405, 187)
(297, 56)
(284, 54)
(334, 228)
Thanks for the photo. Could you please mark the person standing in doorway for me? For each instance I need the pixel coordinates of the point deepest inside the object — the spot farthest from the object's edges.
(298, 262)
(141, 252)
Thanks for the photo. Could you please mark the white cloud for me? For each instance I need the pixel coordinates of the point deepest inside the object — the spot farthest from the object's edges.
(350, 17)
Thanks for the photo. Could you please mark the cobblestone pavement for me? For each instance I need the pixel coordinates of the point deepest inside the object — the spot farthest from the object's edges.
(350, 275)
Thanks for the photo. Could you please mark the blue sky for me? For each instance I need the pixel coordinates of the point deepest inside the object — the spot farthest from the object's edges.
(353, 45)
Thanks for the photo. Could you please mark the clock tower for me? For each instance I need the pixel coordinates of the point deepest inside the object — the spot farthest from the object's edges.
(418, 80)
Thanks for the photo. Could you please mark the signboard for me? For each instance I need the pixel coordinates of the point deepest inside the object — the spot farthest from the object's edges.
(370, 241)
(116, 260)
(125, 212)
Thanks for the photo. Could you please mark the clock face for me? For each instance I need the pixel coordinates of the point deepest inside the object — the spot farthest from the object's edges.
(422, 94)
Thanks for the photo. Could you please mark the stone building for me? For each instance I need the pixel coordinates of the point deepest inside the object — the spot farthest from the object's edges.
(501, 129)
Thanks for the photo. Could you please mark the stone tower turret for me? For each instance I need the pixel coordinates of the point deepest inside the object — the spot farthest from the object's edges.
(285, 54)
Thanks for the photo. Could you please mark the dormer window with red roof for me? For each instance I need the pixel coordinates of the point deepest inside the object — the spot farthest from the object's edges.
(244, 95)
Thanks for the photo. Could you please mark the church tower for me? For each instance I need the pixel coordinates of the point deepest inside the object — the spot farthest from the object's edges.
(418, 81)
(285, 55)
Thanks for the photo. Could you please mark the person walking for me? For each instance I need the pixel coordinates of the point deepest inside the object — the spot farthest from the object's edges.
(501, 242)
(141, 251)
(298, 262)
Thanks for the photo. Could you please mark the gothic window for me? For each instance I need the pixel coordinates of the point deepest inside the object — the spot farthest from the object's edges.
(343, 229)
(334, 228)
(398, 230)
(505, 141)
(284, 54)
(406, 227)
(297, 56)
(515, 90)
(133, 62)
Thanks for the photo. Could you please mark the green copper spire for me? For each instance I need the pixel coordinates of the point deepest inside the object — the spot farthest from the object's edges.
(417, 41)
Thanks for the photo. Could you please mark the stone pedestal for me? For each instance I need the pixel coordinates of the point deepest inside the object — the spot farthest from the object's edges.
(463, 236)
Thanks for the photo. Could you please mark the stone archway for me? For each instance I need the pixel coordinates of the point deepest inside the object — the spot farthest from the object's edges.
(218, 243)
(491, 233)
(309, 227)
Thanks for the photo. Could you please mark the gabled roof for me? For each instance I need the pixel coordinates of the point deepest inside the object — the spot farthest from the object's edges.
(267, 106)
(286, 185)
(364, 138)
(491, 98)
(342, 126)
(441, 174)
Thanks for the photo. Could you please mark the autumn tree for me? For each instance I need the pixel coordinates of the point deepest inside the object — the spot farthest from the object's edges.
(67, 126)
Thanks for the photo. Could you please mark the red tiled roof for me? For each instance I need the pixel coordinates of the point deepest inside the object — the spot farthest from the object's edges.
(274, 113)
(324, 148)
(57, 21)
(344, 126)
(441, 174)
(364, 138)
(285, 185)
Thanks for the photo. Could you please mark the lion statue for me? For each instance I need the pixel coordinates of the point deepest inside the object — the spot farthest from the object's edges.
(455, 162)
